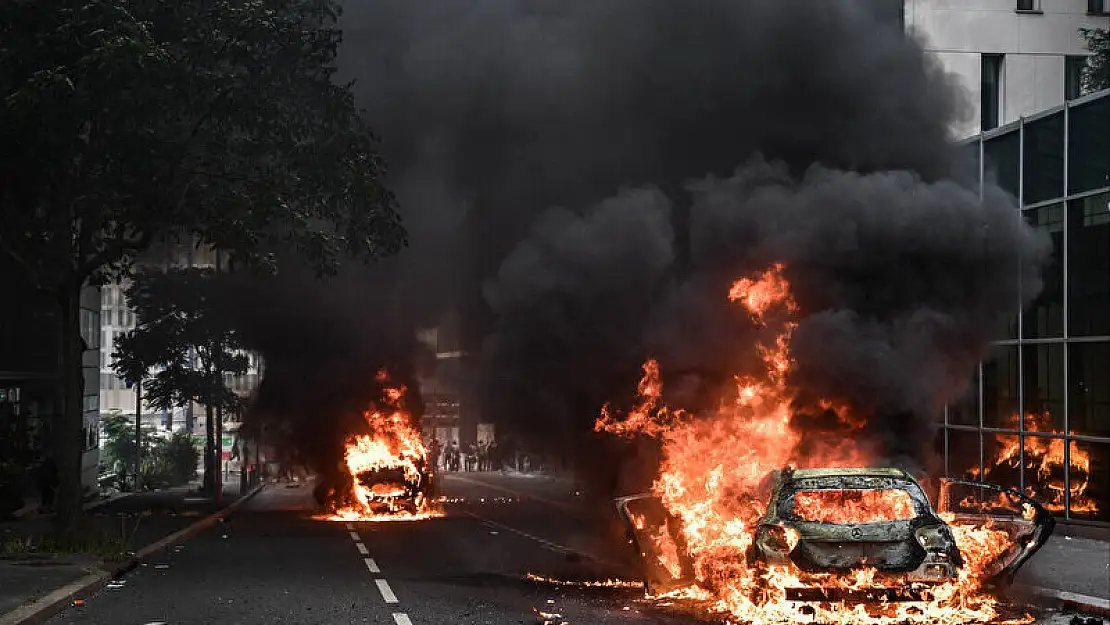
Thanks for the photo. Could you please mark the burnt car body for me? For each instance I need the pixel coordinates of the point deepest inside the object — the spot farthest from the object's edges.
(388, 490)
(911, 548)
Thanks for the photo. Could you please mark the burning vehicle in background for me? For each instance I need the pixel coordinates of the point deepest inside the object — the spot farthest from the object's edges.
(385, 473)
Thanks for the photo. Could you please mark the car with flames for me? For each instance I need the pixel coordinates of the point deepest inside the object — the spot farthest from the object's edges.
(393, 489)
(386, 490)
(822, 522)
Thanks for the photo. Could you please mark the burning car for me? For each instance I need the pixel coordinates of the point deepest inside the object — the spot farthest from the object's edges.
(823, 523)
(385, 473)
(392, 489)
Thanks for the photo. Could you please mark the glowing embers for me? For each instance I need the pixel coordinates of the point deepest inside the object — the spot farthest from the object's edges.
(853, 506)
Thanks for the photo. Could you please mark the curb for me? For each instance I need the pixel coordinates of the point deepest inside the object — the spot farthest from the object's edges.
(1074, 601)
(40, 610)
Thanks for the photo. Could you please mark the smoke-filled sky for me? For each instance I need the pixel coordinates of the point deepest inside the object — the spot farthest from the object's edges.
(583, 179)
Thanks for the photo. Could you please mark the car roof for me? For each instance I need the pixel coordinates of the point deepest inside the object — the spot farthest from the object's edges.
(852, 472)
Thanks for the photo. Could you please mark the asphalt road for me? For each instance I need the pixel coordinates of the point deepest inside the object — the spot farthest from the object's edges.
(273, 563)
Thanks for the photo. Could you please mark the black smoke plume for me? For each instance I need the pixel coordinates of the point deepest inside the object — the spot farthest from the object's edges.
(675, 145)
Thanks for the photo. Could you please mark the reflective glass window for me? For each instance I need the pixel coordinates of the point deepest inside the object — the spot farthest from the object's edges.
(1089, 266)
(1045, 316)
(1089, 388)
(1089, 146)
(964, 410)
(1000, 388)
(1001, 459)
(963, 454)
(1043, 465)
(1090, 480)
(1043, 379)
(1044, 159)
(1002, 156)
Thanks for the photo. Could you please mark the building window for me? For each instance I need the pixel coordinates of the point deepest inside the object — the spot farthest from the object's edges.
(1003, 161)
(1097, 7)
(1043, 382)
(1073, 76)
(1089, 146)
(1089, 388)
(1044, 159)
(964, 410)
(1000, 389)
(1028, 5)
(1045, 316)
(1089, 266)
(1090, 480)
(991, 103)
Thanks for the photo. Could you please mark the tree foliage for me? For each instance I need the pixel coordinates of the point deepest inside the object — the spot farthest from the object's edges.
(1096, 75)
(179, 334)
(169, 461)
(125, 122)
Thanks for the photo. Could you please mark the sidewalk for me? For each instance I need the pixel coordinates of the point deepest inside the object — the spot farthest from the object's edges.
(131, 521)
(1073, 568)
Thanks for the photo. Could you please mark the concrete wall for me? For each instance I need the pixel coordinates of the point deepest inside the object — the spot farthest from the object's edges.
(958, 32)
(90, 331)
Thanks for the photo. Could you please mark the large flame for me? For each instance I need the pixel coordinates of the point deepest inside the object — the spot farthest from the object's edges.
(712, 481)
(1044, 460)
(393, 445)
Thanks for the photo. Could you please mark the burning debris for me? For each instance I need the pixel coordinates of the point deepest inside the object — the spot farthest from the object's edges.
(387, 476)
(732, 527)
(608, 583)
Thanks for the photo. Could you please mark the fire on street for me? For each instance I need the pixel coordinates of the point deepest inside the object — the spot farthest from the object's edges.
(504, 561)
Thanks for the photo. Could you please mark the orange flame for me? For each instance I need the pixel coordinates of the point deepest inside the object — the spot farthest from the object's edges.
(393, 445)
(1044, 461)
(853, 506)
(713, 480)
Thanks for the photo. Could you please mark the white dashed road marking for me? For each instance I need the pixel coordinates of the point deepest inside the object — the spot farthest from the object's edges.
(387, 592)
(350, 526)
(400, 618)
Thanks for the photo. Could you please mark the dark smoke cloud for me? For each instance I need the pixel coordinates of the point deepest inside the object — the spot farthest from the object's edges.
(847, 175)
(494, 111)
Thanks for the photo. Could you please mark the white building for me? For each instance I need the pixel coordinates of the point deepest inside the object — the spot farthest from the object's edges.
(118, 317)
(1013, 57)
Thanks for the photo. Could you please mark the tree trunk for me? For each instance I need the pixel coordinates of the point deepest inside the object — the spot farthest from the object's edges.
(219, 454)
(209, 452)
(138, 434)
(67, 432)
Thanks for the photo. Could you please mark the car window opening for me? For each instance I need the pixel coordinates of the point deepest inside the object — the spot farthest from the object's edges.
(843, 507)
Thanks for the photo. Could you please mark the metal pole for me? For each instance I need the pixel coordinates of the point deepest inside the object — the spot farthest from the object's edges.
(219, 452)
(138, 433)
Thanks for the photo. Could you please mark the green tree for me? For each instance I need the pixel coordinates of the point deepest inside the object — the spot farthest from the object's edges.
(180, 332)
(126, 122)
(120, 446)
(1096, 75)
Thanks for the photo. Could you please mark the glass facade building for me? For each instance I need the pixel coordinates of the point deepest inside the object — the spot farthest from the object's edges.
(1037, 416)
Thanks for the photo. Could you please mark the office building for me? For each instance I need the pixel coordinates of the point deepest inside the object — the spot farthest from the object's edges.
(1038, 414)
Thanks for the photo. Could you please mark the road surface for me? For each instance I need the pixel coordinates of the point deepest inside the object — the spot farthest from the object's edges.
(273, 563)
